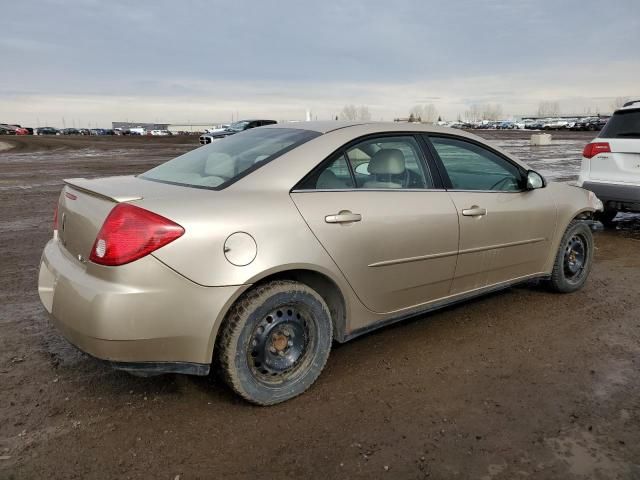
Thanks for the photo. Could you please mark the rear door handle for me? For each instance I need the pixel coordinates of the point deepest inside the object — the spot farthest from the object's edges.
(345, 216)
(474, 211)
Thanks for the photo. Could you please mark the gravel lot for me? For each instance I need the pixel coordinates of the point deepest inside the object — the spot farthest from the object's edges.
(523, 383)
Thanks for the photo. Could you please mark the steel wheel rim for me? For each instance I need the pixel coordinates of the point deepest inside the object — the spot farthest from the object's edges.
(575, 257)
(280, 344)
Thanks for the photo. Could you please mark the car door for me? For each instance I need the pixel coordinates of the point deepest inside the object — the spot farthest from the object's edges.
(376, 210)
(505, 229)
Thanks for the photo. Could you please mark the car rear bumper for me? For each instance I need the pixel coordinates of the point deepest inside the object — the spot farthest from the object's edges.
(613, 192)
(142, 317)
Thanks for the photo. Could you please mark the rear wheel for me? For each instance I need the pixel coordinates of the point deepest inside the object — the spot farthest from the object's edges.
(574, 259)
(275, 342)
(607, 217)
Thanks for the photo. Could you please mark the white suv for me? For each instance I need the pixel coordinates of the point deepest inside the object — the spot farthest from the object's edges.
(611, 163)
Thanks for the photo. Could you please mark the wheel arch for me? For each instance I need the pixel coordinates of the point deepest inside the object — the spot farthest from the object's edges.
(326, 286)
(585, 214)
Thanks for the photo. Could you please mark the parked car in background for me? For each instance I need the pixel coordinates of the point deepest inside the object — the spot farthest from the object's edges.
(69, 131)
(47, 131)
(261, 249)
(6, 129)
(22, 131)
(217, 129)
(555, 124)
(570, 123)
(611, 163)
(234, 128)
(536, 124)
(160, 133)
(590, 124)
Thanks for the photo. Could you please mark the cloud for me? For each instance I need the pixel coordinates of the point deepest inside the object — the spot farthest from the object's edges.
(93, 60)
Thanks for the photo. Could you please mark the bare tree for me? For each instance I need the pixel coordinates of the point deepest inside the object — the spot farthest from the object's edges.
(416, 112)
(487, 111)
(473, 114)
(425, 113)
(492, 111)
(548, 109)
(429, 114)
(619, 102)
(364, 113)
(351, 113)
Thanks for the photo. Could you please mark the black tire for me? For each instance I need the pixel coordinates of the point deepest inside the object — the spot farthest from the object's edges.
(275, 342)
(573, 260)
(607, 217)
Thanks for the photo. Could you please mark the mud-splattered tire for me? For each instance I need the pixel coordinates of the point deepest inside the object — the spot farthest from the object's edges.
(573, 260)
(274, 342)
(607, 217)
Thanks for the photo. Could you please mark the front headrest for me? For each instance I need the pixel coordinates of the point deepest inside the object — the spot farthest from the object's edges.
(389, 161)
(219, 164)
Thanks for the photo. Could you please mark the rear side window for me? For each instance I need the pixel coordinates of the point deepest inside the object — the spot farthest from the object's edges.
(623, 124)
(378, 163)
(221, 163)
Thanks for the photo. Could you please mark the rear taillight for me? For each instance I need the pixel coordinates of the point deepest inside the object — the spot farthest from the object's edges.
(55, 219)
(130, 233)
(593, 149)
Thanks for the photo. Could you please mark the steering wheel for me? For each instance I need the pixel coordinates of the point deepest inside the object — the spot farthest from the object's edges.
(500, 182)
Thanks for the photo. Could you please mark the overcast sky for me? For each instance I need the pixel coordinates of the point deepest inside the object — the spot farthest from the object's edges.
(202, 61)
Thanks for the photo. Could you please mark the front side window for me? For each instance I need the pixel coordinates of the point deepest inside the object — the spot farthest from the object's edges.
(471, 167)
(221, 163)
(376, 163)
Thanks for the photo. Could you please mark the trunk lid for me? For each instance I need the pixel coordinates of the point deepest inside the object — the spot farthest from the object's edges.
(621, 165)
(85, 203)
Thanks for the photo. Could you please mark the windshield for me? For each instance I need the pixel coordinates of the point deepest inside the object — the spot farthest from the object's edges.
(221, 163)
(238, 126)
(623, 124)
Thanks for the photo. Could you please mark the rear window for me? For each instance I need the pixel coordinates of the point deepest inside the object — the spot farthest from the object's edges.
(219, 164)
(623, 124)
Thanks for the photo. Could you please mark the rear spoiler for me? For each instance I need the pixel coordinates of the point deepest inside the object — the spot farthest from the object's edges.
(101, 188)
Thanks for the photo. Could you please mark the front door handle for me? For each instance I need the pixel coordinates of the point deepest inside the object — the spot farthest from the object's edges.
(344, 216)
(474, 211)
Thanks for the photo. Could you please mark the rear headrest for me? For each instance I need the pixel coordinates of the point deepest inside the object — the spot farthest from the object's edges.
(389, 161)
(220, 164)
(329, 181)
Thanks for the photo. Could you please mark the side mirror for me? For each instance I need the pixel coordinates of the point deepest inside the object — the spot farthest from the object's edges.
(535, 180)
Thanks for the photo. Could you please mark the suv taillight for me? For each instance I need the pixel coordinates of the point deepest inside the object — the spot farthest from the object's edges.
(130, 233)
(593, 149)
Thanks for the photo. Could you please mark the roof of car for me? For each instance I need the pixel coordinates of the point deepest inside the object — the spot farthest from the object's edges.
(374, 127)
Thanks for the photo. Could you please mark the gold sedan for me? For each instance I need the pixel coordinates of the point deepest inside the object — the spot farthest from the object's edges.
(256, 252)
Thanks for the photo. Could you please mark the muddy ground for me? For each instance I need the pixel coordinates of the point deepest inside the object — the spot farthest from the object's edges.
(519, 384)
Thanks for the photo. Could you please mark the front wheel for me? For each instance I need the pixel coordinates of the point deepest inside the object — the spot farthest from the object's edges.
(573, 260)
(275, 342)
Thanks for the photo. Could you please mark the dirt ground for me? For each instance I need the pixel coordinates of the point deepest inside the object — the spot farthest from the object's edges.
(519, 384)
